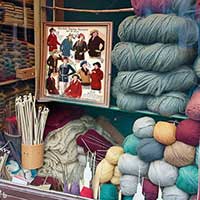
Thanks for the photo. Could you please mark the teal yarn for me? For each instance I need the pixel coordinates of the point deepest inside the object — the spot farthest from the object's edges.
(196, 66)
(188, 179)
(197, 156)
(156, 57)
(108, 192)
(127, 198)
(130, 144)
(168, 104)
(154, 83)
(158, 28)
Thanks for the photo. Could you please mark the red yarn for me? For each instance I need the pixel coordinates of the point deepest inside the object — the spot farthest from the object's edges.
(150, 190)
(86, 192)
(188, 132)
(153, 6)
(193, 106)
(198, 9)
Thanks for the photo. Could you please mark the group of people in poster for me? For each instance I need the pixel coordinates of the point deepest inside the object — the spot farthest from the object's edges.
(84, 76)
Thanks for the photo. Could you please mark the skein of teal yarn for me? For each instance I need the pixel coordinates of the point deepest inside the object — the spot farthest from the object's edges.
(127, 198)
(130, 144)
(188, 179)
(108, 192)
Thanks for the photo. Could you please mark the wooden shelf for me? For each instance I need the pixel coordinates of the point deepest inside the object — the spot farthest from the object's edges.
(12, 81)
(16, 25)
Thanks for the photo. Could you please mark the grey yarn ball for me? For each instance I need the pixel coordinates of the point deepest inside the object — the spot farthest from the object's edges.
(174, 193)
(128, 185)
(132, 165)
(149, 150)
(143, 127)
(163, 174)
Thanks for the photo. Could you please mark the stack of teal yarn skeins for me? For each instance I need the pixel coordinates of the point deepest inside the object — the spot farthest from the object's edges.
(155, 63)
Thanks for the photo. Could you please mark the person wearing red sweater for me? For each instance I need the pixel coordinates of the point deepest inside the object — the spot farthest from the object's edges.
(74, 90)
(52, 40)
(96, 76)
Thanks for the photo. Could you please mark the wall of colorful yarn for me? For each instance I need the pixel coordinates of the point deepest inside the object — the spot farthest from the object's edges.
(155, 64)
(165, 154)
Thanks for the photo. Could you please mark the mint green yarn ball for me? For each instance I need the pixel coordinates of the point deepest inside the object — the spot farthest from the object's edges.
(127, 197)
(130, 144)
(188, 179)
(108, 192)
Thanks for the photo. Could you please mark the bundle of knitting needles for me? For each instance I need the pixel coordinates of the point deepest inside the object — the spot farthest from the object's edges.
(31, 123)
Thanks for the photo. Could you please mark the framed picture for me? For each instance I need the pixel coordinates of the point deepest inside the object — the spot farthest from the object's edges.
(76, 62)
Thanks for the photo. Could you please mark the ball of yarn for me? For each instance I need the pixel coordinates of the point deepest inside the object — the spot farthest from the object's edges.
(197, 156)
(143, 127)
(86, 192)
(104, 171)
(128, 185)
(188, 179)
(188, 131)
(116, 177)
(113, 154)
(131, 102)
(168, 104)
(164, 132)
(127, 198)
(154, 83)
(132, 165)
(196, 66)
(150, 190)
(149, 150)
(179, 154)
(193, 106)
(166, 29)
(82, 160)
(108, 192)
(157, 57)
(162, 173)
(194, 197)
(130, 144)
(174, 193)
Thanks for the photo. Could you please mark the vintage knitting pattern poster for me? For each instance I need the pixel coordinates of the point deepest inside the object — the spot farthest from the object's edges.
(77, 62)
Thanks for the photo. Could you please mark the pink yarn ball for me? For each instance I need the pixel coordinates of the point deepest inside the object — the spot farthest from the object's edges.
(150, 190)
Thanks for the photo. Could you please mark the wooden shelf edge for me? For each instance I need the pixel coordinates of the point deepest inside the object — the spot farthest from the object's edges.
(12, 81)
(16, 25)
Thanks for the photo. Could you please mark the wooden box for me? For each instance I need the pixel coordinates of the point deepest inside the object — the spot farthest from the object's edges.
(26, 73)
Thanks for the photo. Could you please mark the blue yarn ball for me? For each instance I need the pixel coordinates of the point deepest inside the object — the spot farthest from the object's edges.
(188, 179)
(149, 150)
(130, 144)
(108, 192)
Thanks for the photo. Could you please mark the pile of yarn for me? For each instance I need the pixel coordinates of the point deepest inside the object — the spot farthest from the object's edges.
(155, 63)
(165, 154)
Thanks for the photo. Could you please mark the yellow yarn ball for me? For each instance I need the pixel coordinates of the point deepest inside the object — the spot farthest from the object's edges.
(115, 180)
(113, 154)
(165, 133)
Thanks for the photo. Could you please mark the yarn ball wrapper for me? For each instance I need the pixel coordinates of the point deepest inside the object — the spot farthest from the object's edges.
(188, 179)
(193, 106)
(165, 132)
(132, 165)
(143, 127)
(166, 29)
(154, 83)
(172, 193)
(162, 173)
(150, 150)
(179, 154)
(157, 57)
(130, 144)
(188, 131)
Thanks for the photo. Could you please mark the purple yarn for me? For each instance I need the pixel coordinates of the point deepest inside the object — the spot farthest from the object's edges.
(75, 188)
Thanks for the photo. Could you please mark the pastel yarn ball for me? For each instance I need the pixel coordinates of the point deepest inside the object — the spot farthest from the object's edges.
(108, 192)
(143, 127)
(150, 190)
(188, 179)
(104, 171)
(179, 154)
(174, 193)
(130, 144)
(116, 177)
(188, 131)
(128, 185)
(113, 154)
(162, 173)
(132, 165)
(164, 132)
(149, 150)
(197, 156)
